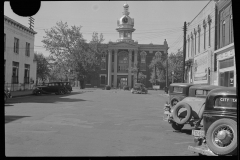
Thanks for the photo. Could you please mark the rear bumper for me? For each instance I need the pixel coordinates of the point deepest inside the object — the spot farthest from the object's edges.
(201, 150)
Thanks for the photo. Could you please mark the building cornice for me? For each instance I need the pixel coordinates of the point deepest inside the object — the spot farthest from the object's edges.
(15, 23)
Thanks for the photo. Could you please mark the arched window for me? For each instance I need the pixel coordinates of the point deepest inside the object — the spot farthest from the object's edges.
(209, 30)
(158, 54)
(204, 34)
(195, 45)
(223, 33)
(199, 32)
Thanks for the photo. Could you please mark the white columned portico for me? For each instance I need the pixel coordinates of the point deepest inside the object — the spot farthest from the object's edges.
(109, 67)
(130, 67)
(115, 68)
(135, 64)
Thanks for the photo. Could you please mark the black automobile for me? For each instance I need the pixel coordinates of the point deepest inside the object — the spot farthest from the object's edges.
(139, 88)
(68, 86)
(190, 109)
(219, 133)
(53, 87)
(7, 94)
(178, 91)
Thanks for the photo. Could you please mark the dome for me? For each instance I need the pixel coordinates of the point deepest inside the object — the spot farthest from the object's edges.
(125, 6)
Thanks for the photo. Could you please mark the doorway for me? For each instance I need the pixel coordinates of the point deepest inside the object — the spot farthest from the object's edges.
(123, 82)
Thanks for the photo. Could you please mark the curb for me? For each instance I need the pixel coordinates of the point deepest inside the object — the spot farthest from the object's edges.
(22, 95)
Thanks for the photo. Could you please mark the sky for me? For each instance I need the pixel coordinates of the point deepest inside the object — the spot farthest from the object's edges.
(154, 21)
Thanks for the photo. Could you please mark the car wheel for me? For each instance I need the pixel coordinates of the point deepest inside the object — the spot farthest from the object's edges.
(187, 117)
(38, 93)
(221, 137)
(176, 126)
(61, 92)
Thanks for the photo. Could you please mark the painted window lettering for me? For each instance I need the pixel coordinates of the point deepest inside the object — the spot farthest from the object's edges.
(226, 102)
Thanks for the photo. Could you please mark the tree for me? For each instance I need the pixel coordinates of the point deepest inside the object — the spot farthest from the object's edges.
(175, 62)
(70, 50)
(43, 70)
(136, 69)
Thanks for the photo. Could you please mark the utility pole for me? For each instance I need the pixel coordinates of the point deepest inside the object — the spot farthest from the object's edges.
(184, 48)
(167, 72)
(31, 20)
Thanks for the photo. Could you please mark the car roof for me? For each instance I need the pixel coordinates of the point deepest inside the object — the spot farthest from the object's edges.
(181, 84)
(223, 91)
(205, 87)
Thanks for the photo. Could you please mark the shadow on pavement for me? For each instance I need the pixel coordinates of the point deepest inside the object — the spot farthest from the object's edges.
(187, 131)
(10, 118)
(46, 98)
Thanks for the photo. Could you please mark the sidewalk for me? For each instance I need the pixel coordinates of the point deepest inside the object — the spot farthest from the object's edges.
(21, 93)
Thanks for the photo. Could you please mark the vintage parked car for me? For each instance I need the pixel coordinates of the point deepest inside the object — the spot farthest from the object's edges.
(178, 91)
(219, 133)
(52, 87)
(7, 94)
(190, 109)
(139, 88)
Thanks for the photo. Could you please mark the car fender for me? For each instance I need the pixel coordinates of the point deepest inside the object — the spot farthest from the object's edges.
(196, 104)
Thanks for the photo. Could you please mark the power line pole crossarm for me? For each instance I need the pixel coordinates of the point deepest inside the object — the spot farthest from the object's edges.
(184, 49)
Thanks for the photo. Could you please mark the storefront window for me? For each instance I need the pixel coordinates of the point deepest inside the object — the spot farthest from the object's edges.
(227, 79)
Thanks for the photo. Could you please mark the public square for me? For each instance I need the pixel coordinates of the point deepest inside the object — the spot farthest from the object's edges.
(92, 122)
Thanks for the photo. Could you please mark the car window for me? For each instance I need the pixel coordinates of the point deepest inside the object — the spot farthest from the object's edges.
(201, 92)
(226, 102)
(178, 89)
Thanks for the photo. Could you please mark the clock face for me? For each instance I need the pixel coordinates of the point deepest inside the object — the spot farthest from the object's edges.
(125, 20)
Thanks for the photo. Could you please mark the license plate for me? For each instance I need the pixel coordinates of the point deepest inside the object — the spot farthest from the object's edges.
(198, 133)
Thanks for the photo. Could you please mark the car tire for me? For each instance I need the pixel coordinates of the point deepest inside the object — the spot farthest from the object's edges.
(188, 116)
(38, 93)
(224, 123)
(176, 126)
(60, 92)
(174, 101)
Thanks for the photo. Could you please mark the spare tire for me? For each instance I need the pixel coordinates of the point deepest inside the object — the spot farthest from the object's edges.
(174, 101)
(225, 132)
(187, 116)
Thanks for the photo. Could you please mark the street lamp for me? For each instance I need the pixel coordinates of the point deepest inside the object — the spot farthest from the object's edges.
(172, 75)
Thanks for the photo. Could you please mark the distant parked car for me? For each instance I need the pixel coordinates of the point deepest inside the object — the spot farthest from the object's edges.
(58, 88)
(218, 136)
(139, 88)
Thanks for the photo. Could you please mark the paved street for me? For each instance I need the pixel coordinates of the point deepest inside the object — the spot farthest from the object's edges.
(92, 123)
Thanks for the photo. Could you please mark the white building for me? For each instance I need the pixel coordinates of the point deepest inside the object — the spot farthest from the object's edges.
(200, 46)
(19, 65)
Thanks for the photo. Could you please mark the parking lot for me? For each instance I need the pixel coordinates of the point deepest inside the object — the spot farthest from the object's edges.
(92, 123)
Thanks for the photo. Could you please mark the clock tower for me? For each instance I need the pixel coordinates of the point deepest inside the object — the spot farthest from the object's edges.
(125, 26)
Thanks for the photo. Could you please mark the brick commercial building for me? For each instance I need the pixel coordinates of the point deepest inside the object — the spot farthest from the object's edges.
(224, 54)
(120, 56)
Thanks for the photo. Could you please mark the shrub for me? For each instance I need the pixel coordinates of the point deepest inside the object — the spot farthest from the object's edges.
(125, 88)
(107, 87)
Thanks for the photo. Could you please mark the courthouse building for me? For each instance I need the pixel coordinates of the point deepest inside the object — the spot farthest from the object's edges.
(121, 55)
(19, 65)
